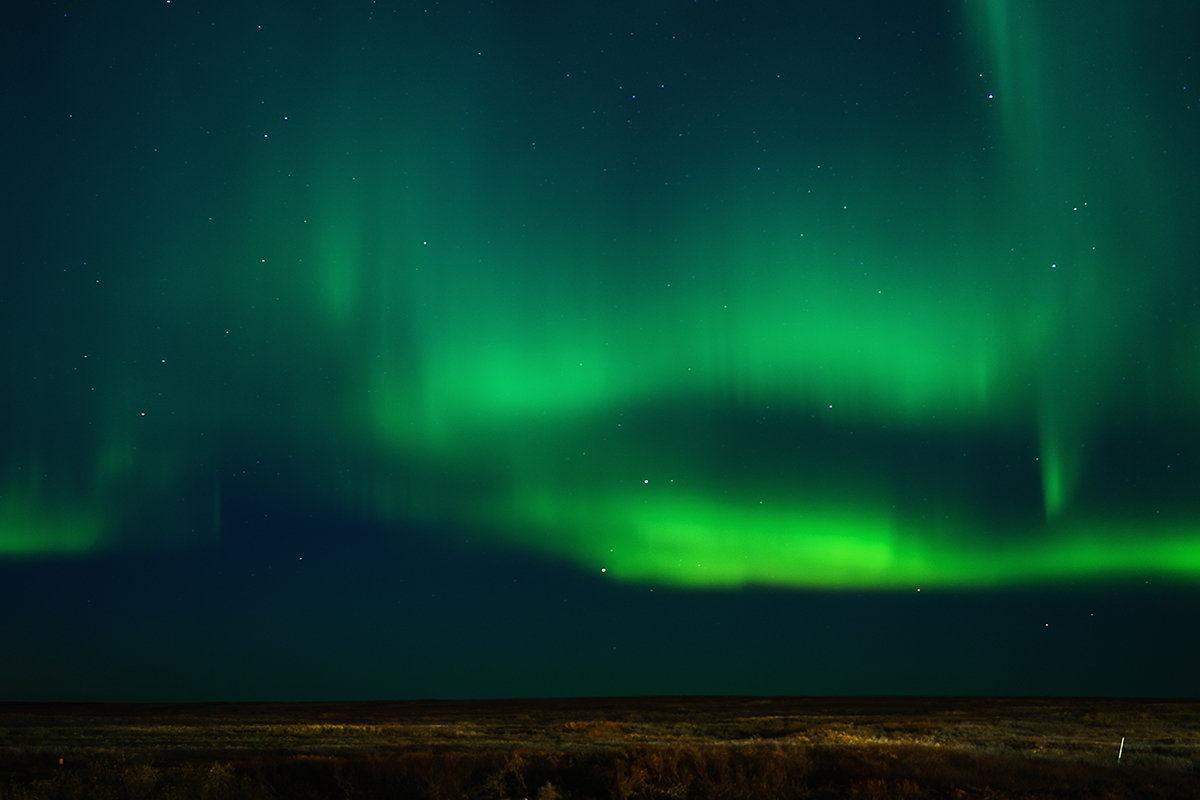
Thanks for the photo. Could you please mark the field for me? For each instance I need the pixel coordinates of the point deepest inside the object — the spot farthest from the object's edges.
(602, 749)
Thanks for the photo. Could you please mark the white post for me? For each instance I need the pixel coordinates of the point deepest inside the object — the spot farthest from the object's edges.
(1122, 750)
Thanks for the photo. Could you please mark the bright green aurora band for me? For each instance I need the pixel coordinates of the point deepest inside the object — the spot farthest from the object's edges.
(893, 355)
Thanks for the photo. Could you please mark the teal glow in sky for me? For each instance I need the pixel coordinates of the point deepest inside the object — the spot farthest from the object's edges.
(666, 295)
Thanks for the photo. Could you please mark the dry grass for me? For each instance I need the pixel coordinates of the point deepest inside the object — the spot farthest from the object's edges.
(601, 749)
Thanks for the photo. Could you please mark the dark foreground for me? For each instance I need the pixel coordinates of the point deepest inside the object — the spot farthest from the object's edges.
(679, 748)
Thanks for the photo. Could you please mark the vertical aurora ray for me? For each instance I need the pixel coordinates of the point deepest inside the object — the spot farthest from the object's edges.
(1087, 204)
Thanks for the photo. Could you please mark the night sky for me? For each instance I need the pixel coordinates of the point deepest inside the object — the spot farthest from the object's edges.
(360, 350)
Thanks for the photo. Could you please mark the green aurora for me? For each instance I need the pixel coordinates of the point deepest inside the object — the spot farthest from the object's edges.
(770, 328)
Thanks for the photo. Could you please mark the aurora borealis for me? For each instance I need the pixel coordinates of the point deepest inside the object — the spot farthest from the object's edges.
(733, 305)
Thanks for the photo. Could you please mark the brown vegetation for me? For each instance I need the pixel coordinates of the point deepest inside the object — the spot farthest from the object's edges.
(664, 749)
